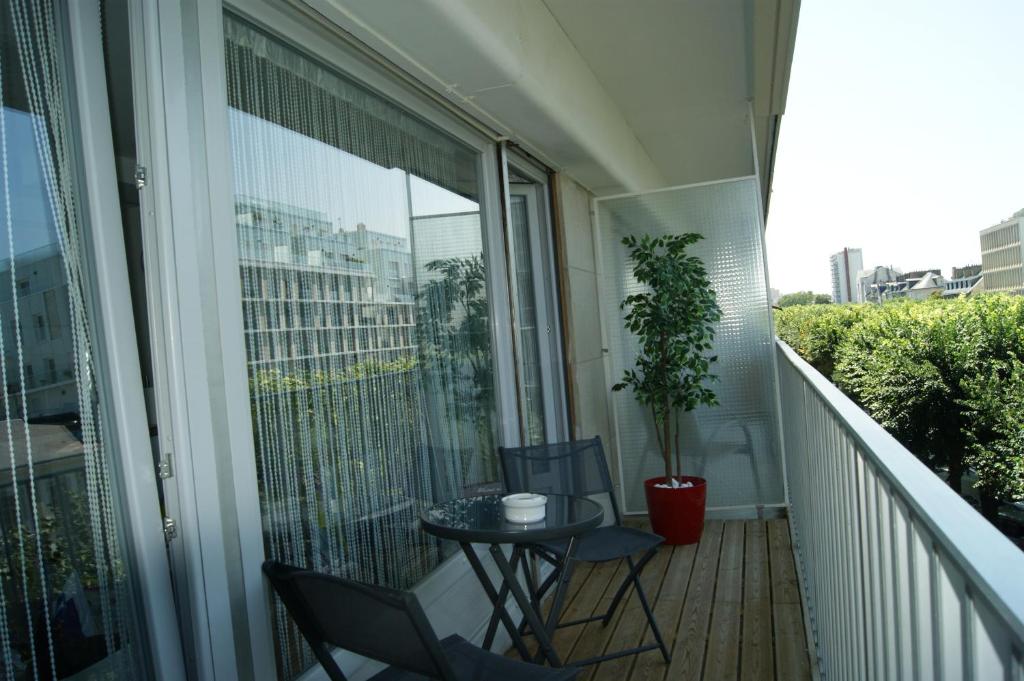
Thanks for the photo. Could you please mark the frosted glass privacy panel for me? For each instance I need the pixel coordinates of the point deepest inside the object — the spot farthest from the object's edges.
(734, 445)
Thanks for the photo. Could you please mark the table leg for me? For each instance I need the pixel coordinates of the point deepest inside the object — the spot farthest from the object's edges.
(492, 626)
(499, 604)
(540, 632)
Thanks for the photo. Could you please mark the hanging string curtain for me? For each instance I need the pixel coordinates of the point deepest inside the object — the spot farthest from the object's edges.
(366, 329)
(264, 73)
(59, 531)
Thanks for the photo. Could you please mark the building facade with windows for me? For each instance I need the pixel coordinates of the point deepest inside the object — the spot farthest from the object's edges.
(1002, 255)
(845, 266)
(38, 339)
(874, 283)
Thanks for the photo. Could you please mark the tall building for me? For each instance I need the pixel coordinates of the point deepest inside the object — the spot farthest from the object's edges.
(845, 266)
(1002, 255)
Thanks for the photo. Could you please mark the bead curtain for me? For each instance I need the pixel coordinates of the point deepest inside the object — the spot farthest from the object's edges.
(64, 603)
(366, 318)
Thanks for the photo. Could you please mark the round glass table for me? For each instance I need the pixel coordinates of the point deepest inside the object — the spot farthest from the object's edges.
(481, 520)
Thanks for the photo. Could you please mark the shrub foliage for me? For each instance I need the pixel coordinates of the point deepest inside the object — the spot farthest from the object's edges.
(945, 377)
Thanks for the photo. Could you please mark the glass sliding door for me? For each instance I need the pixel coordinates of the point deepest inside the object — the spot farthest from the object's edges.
(67, 586)
(534, 294)
(367, 318)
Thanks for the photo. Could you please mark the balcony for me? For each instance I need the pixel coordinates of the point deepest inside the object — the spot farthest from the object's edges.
(728, 607)
(473, 167)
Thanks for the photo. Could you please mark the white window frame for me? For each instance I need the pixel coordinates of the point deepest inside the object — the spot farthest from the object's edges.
(120, 380)
(201, 327)
(546, 293)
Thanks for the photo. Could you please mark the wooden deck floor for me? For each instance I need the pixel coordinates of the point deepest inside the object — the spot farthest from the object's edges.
(728, 607)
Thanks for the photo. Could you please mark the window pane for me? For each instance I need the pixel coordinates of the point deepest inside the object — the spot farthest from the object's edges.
(366, 318)
(526, 320)
(65, 609)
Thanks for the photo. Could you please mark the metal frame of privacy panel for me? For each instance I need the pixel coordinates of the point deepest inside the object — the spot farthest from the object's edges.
(736, 445)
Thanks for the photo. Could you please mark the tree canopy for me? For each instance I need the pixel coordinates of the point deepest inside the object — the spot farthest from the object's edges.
(944, 376)
(804, 298)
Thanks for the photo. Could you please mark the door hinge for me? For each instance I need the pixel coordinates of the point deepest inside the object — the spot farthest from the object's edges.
(170, 529)
(140, 177)
(165, 468)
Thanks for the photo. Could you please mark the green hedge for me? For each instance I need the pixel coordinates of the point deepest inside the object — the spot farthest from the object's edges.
(944, 376)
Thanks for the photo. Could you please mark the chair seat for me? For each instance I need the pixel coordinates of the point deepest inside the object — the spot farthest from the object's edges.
(472, 663)
(606, 543)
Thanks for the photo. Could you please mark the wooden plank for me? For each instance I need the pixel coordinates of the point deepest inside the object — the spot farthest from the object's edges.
(757, 658)
(785, 588)
(667, 610)
(629, 632)
(791, 655)
(692, 631)
(722, 660)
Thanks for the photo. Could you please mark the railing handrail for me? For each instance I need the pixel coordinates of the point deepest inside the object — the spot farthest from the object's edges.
(964, 534)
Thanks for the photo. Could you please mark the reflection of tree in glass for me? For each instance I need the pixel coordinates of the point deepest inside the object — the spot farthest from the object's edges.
(79, 609)
(454, 322)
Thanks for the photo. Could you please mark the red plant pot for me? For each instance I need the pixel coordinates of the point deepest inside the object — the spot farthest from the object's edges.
(677, 514)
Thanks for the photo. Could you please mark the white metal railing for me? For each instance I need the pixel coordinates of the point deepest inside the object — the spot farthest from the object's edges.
(902, 578)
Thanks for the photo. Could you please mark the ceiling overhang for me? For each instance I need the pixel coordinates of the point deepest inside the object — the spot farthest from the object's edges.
(623, 96)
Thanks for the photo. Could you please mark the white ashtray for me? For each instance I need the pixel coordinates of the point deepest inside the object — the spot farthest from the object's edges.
(524, 507)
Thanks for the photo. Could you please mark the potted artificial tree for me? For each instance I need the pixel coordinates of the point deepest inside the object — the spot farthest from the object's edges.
(674, 320)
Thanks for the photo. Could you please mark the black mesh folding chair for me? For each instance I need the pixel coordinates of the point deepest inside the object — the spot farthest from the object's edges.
(580, 469)
(389, 626)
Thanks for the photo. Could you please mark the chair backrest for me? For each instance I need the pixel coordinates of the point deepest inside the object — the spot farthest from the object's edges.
(373, 621)
(577, 468)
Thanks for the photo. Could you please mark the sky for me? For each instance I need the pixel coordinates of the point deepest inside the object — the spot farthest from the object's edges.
(903, 135)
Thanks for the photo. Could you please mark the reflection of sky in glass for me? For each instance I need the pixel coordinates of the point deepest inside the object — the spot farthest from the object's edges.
(281, 165)
(32, 221)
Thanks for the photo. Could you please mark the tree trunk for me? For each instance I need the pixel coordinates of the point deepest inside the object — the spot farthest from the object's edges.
(956, 472)
(666, 443)
(679, 453)
(989, 507)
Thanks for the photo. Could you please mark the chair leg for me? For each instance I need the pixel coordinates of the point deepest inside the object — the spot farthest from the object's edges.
(634, 570)
(650, 618)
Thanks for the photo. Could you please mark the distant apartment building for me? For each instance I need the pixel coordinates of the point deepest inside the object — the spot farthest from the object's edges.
(873, 283)
(1002, 255)
(845, 266)
(44, 325)
(312, 291)
(966, 280)
(928, 285)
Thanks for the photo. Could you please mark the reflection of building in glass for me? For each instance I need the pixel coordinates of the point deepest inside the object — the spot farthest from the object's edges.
(46, 345)
(311, 292)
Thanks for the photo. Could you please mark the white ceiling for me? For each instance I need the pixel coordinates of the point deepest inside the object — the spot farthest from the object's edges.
(623, 95)
(678, 73)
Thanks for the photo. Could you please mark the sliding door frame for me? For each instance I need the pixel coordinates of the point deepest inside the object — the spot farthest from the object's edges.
(117, 360)
(546, 293)
(192, 208)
